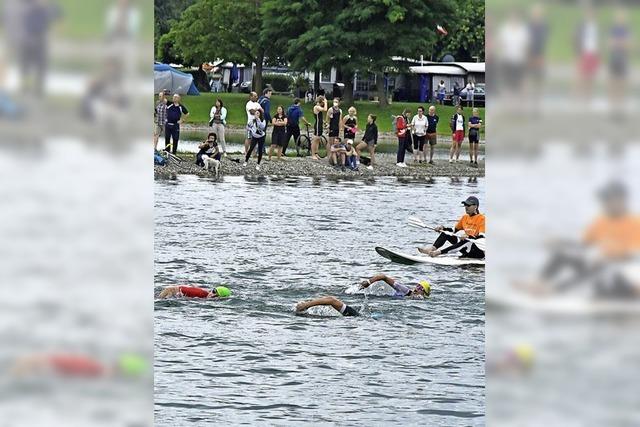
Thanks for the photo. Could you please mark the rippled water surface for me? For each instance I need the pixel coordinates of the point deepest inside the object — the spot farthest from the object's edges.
(251, 360)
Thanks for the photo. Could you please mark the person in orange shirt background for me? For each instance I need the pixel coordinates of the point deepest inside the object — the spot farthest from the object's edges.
(464, 237)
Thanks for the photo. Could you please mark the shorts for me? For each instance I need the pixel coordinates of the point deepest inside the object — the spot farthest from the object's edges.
(334, 133)
(474, 137)
(441, 97)
(371, 143)
(418, 141)
(432, 138)
(589, 63)
(349, 311)
(159, 130)
(458, 136)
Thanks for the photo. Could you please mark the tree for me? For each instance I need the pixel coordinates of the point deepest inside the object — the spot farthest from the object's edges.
(219, 29)
(465, 40)
(353, 35)
(165, 12)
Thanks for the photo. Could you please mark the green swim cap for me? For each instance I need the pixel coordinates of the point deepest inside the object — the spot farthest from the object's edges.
(426, 286)
(132, 365)
(223, 292)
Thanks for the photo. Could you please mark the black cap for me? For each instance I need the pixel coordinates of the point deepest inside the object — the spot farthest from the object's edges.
(613, 189)
(471, 200)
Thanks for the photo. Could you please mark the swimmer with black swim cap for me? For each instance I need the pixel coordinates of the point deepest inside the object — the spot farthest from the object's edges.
(412, 290)
(194, 292)
(421, 290)
(334, 302)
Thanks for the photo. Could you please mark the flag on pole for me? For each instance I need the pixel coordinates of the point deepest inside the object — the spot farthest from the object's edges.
(441, 30)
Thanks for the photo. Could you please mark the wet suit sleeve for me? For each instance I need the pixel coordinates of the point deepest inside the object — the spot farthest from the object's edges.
(375, 134)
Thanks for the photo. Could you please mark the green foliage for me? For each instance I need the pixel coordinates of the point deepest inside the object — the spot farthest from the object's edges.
(279, 82)
(165, 14)
(466, 32)
(211, 29)
(352, 35)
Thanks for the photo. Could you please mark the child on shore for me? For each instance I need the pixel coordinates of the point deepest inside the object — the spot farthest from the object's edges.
(209, 155)
(351, 156)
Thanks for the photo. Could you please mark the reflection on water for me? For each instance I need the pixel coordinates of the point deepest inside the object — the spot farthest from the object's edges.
(250, 359)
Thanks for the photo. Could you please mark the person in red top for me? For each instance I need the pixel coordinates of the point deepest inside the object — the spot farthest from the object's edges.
(194, 292)
(403, 124)
(465, 237)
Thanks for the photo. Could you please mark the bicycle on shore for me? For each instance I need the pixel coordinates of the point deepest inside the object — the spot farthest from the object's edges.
(303, 143)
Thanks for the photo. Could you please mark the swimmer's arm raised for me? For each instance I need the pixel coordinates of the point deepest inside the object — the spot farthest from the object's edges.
(377, 278)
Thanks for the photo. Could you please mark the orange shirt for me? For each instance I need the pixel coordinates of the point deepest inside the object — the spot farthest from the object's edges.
(472, 225)
(615, 237)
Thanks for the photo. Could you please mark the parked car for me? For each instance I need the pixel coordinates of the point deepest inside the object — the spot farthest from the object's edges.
(478, 95)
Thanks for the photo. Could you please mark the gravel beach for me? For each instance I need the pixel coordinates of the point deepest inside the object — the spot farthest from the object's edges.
(305, 166)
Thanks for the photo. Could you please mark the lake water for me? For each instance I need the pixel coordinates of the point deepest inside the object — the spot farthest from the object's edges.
(250, 360)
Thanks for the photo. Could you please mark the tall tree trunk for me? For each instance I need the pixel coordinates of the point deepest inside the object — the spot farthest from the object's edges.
(257, 77)
(316, 81)
(347, 94)
(382, 96)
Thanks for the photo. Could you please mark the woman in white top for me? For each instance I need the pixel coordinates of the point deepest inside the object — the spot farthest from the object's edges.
(419, 125)
(218, 121)
(458, 131)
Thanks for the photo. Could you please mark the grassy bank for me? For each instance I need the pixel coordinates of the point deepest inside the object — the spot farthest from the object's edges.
(199, 107)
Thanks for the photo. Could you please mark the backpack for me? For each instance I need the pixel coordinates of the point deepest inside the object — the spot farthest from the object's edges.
(158, 159)
(394, 123)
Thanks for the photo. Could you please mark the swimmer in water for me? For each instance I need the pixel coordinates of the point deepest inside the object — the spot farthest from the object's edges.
(334, 302)
(412, 290)
(194, 292)
(80, 365)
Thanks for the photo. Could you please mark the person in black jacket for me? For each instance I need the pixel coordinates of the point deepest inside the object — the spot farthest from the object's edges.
(369, 139)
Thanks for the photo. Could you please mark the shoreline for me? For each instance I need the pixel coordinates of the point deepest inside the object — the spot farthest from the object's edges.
(305, 166)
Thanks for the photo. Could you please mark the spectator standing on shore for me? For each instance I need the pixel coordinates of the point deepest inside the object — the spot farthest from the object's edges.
(279, 133)
(265, 103)
(176, 114)
(318, 126)
(401, 125)
(457, 129)
(294, 115)
(474, 137)
(350, 124)
(160, 114)
(334, 117)
(256, 126)
(218, 121)
(442, 89)
(432, 131)
(419, 127)
(251, 106)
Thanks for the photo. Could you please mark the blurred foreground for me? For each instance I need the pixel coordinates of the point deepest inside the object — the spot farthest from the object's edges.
(76, 262)
(563, 277)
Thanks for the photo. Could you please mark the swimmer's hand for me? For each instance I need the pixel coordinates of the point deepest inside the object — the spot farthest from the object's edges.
(439, 228)
(301, 306)
(365, 284)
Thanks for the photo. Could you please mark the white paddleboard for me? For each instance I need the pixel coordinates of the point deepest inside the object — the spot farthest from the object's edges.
(408, 259)
(560, 305)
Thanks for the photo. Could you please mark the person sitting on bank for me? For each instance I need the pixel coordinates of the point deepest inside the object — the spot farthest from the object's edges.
(209, 155)
(464, 237)
(351, 156)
